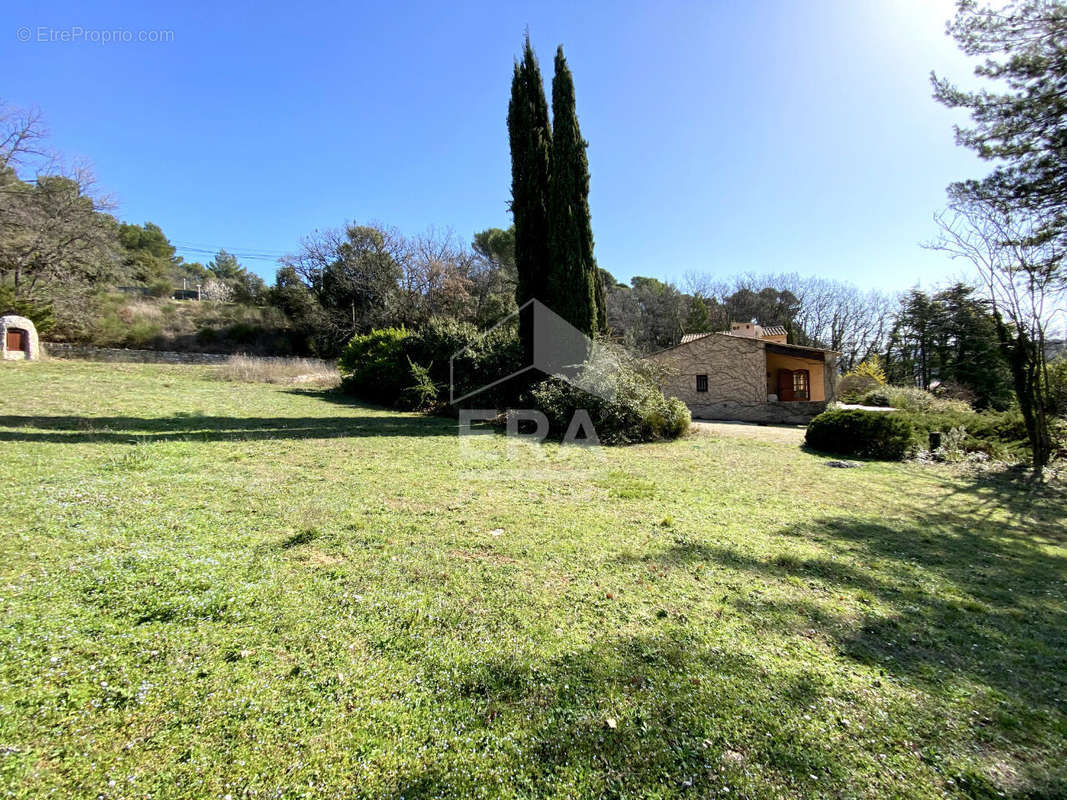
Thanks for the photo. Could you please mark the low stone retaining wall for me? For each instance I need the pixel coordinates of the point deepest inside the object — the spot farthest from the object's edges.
(796, 413)
(86, 352)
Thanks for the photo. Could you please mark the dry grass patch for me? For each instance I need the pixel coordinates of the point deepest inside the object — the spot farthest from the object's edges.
(779, 434)
(279, 370)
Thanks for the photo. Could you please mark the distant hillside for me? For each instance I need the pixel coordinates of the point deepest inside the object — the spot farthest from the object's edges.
(120, 320)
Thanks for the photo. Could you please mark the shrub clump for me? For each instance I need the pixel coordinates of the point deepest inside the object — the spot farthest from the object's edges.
(422, 394)
(953, 447)
(894, 435)
(620, 393)
(411, 369)
(42, 315)
(867, 376)
(374, 365)
(909, 398)
(999, 435)
(877, 397)
(874, 434)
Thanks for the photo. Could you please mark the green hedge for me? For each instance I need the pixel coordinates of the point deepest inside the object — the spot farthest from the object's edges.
(876, 397)
(873, 434)
(910, 398)
(1001, 435)
(893, 435)
(852, 387)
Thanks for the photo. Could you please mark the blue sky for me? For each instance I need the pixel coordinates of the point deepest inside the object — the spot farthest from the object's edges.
(724, 137)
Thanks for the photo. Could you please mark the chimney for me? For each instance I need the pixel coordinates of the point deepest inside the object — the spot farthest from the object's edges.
(743, 329)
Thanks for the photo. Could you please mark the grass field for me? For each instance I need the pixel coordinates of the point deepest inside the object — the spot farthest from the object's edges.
(216, 589)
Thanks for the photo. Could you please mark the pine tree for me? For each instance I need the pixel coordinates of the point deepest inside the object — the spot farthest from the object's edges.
(1012, 224)
(697, 319)
(971, 356)
(950, 338)
(1020, 122)
(575, 281)
(530, 135)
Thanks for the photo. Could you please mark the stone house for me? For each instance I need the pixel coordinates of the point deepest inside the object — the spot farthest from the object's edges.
(748, 373)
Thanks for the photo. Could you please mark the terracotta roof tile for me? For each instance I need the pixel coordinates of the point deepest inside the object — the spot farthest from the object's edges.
(689, 337)
(772, 330)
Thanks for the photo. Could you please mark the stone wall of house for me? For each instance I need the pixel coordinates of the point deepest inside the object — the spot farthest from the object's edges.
(793, 413)
(735, 367)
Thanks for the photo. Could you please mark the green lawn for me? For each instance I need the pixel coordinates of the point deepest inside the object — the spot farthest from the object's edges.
(214, 589)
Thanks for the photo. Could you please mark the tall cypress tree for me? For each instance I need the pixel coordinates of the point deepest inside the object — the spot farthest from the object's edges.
(530, 135)
(575, 279)
(601, 302)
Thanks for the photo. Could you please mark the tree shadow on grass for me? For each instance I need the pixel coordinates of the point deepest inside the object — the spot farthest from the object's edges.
(635, 715)
(995, 613)
(203, 427)
(955, 663)
(963, 599)
(676, 713)
(1017, 492)
(332, 395)
(369, 421)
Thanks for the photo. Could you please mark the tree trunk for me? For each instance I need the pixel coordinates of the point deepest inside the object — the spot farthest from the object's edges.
(1024, 361)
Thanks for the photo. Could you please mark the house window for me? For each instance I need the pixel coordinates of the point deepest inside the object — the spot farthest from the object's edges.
(702, 383)
(800, 384)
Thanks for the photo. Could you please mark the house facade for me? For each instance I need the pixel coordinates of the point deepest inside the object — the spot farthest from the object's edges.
(748, 373)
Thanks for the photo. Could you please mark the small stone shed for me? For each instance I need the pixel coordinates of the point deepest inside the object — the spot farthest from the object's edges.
(18, 339)
(749, 373)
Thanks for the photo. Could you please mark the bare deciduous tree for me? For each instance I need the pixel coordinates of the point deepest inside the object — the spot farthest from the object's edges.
(844, 318)
(1022, 272)
(56, 236)
(827, 313)
(436, 278)
(22, 137)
